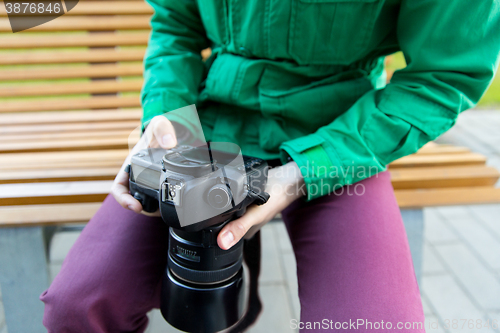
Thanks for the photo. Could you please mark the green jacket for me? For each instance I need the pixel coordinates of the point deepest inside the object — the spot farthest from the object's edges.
(305, 79)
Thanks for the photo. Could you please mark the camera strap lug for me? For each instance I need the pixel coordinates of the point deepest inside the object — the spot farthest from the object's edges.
(170, 192)
(259, 198)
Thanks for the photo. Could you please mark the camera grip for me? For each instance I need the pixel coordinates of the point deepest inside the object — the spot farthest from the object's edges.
(148, 205)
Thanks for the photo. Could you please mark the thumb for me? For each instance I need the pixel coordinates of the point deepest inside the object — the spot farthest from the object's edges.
(164, 133)
(235, 230)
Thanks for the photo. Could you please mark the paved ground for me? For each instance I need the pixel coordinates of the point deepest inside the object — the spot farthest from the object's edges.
(461, 273)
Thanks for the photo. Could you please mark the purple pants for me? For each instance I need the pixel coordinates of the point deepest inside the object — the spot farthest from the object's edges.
(353, 266)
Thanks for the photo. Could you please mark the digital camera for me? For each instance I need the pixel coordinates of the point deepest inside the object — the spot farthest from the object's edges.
(198, 190)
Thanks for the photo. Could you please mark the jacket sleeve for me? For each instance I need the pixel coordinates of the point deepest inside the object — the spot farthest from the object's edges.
(173, 68)
(451, 49)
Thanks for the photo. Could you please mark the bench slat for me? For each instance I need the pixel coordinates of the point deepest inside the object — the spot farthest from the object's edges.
(111, 8)
(58, 175)
(60, 104)
(79, 192)
(104, 8)
(76, 127)
(402, 179)
(14, 160)
(60, 57)
(115, 157)
(442, 149)
(72, 23)
(47, 193)
(447, 196)
(67, 145)
(70, 40)
(47, 165)
(75, 40)
(437, 160)
(31, 215)
(66, 135)
(69, 117)
(73, 72)
(92, 87)
(435, 177)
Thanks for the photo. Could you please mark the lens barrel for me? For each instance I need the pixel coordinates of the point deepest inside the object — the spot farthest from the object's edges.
(196, 257)
(202, 308)
(203, 285)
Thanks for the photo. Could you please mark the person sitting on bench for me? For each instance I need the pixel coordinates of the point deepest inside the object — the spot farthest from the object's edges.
(301, 84)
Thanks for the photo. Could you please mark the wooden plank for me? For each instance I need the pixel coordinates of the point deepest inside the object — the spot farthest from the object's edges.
(104, 8)
(72, 23)
(206, 53)
(96, 141)
(68, 145)
(447, 196)
(436, 177)
(32, 215)
(9, 160)
(47, 165)
(439, 160)
(469, 177)
(72, 72)
(94, 158)
(80, 212)
(53, 193)
(443, 149)
(105, 39)
(64, 135)
(73, 127)
(60, 104)
(58, 175)
(111, 8)
(69, 117)
(71, 88)
(65, 57)
(430, 144)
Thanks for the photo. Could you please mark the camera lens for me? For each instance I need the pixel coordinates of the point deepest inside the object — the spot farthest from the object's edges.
(219, 196)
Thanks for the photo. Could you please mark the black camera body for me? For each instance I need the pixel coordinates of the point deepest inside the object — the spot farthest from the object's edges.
(196, 187)
(198, 190)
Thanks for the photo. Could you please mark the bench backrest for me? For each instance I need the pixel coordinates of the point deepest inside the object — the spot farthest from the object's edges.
(90, 58)
(69, 99)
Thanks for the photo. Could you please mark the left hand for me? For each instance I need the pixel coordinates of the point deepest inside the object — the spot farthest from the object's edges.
(285, 185)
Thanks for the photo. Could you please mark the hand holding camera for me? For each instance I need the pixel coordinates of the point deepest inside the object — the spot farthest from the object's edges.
(285, 184)
(159, 134)
(206, 195)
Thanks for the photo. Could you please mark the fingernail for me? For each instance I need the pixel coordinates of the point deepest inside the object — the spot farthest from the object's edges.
(168, 141)
(227, 239)
(130, 207)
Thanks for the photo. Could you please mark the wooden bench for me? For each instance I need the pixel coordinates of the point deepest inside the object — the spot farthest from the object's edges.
(69, 101)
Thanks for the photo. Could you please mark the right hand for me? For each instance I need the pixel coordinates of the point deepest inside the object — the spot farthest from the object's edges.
(160, 133)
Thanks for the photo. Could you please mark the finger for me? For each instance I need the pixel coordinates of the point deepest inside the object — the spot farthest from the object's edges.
(155, 214)
(253, 230)
(164, 133)
(121, 194)
(235, 230)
